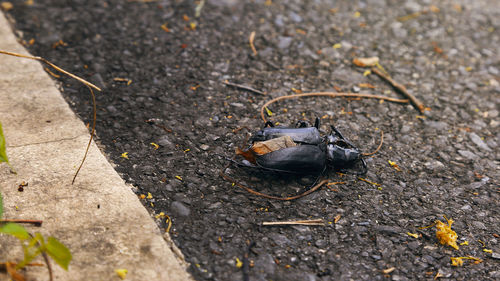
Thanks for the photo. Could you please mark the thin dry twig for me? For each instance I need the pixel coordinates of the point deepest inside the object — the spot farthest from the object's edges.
(53, 66)
(401, 88)
(328, 94)
(379, 145)
(34, 222)
(92, 132)
(85, 82)
(299, 222)
(49, 267)
(254, 192)
(251, 38)
(244, 88)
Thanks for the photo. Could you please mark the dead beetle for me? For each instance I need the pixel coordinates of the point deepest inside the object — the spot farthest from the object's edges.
(300, 150)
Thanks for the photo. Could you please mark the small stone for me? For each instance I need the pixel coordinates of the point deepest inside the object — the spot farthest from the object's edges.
(438, 125)
(495, 255)
(284, 42)
(320, 243)
(204, 147)
(164, 141)
(280, 239)
(479, 225)
(356, 89)
(180, 209)
(479, 142)
(405, 129)
(265, 263)
(111, 109)
(466, 207)
(295, 17)
(469, 155)
(278, 20)
(495, 274)
(434, 166)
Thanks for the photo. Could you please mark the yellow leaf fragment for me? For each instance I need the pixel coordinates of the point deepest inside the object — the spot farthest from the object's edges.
(122, 273)
(7, 6)
(169, 222)
(488, 251)
(149, 196)
(337, 218)
(445, 235)
(264, 147)
(409, 17)
(269, 112)
(239, 263)
(142, 196)
(370, 182)
(434, 9)
(124, 155)
(366, 62)
(367, 72)
(394, 165)
(337, 46)
(178, 177)
(357, 14)
(414, 235)
(156, 146)
(165, 28)
(464, 243)
(388, 270)
(459, 261)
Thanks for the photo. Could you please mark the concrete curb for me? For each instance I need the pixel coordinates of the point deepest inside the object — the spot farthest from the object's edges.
(99, 218)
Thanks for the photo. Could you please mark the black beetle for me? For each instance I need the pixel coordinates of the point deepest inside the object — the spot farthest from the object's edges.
(300, 150)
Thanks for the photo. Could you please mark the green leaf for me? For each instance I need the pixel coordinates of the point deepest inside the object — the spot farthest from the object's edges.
(3, 152)
(58, 252)
(16, 230)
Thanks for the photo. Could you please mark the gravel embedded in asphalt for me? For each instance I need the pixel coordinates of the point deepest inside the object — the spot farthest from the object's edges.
(445, 53)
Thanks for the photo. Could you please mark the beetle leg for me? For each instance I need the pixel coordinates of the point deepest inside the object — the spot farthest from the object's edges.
(317, 123)
(302, 124)
(268, 124)
(365, 167)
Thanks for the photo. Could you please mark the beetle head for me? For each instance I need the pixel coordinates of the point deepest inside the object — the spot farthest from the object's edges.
(342, 156)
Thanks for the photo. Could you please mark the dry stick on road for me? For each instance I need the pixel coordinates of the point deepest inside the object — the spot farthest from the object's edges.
(328, 94)
(299, 222)
(379, 145)
(85, 82)
(400, 88)
(34, 222)
(244, 88)
(250, 40)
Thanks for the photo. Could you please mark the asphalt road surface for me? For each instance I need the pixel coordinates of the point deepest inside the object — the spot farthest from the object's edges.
(162, 70)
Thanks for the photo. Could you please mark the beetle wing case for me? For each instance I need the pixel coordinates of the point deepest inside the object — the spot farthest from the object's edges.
(309, 135)
(302, 159)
